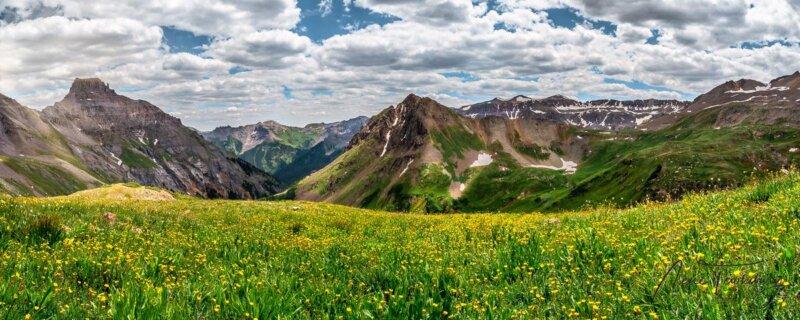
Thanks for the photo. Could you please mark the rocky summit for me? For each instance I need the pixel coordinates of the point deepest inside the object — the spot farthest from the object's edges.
(94, 136)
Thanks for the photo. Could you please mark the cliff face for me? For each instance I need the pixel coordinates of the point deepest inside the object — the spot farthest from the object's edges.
(95, 135)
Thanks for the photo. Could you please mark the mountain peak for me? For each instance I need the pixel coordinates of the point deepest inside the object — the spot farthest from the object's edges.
(89, 85)
(789, 81)
(557, 97)
(411, 99)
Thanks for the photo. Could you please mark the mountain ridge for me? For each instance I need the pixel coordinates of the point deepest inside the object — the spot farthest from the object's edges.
(93, 135)
(287, 152)
(419, 155)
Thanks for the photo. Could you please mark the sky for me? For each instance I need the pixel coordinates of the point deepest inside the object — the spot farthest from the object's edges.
(226, 62)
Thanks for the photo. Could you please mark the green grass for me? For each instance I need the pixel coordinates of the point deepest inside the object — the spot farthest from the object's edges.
(626, 168)
(430, 190)
(232, 145)
(530, 149)
(452, 141)
(725, 255)
(135, 159)
(296, 138)
(269, 156)
(46, 179)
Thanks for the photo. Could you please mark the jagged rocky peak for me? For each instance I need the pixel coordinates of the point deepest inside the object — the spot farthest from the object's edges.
(788, 81)
(89, 86)
(405, 122)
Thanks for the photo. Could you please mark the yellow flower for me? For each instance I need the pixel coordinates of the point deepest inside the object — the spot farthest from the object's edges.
(637, 310)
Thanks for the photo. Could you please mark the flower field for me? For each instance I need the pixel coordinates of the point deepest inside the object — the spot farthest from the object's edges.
(731, 254)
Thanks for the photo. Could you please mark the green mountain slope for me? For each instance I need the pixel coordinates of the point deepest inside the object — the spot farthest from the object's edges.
(446, 162)
(414, 156)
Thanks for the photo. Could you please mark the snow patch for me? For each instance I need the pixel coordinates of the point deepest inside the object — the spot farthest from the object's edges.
(119, 161)
(522, 99)
(739, 101)
(484, 159)
(794, 150)
(566, 165)
(759, 89)
(385, 146)
(644, 119)
(406, 169)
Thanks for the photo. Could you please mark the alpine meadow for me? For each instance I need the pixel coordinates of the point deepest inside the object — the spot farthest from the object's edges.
(425, 159)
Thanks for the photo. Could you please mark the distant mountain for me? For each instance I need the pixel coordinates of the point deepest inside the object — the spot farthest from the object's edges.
(421, 156)
(96, 136)
(289, 153)
(744, 102)
(598, 114)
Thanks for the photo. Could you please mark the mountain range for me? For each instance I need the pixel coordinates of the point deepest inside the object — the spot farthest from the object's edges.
(288, 153)
(95, 136)
(597, 114)
(519, 154)
(526, 154)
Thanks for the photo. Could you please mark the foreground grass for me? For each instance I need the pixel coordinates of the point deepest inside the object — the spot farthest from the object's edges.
(722, 255)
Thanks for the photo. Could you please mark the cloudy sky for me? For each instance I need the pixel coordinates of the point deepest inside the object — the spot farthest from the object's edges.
(218, 62)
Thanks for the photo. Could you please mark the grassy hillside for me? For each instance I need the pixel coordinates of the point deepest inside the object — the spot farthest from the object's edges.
(723, 255)
(625, 168)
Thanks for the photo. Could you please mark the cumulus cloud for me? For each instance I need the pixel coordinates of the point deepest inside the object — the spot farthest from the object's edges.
(208, 17)
(507, 47)
(268, 49)
(41, 53)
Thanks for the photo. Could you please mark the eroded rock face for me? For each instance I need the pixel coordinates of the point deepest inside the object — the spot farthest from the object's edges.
(126, 139)
(598, 114)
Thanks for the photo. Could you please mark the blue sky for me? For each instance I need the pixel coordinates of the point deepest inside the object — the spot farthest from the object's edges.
(233, 62)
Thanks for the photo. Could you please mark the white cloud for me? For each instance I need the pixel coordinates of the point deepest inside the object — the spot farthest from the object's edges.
(209, 17)
(267, 49)
(508, 51)
(43, 53)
